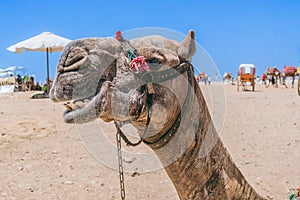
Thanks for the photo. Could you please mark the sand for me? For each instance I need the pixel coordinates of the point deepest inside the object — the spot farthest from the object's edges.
(41, 157)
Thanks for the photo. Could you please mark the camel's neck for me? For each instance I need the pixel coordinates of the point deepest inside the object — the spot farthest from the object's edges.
(196, 161)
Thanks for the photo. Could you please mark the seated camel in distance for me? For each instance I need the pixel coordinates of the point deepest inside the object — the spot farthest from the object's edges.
(180, 131)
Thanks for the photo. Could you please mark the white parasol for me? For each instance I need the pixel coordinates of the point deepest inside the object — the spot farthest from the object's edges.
(46, 42)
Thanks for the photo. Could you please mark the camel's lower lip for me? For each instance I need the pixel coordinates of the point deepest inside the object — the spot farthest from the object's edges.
(80, 111)
(76, 104)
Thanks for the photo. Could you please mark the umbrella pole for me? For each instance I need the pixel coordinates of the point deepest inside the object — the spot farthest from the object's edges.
(48, 82)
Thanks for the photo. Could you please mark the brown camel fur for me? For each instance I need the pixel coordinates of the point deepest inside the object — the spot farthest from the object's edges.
(180, 132)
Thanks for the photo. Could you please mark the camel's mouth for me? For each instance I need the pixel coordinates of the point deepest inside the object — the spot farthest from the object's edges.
(90, 108)
(100, 106)
(73, 108)
(84, 90)
(75, 105)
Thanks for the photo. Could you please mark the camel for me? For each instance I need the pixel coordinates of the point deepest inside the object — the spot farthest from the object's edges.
(228, 76)
(298, 72)
(161, 99)
(299, 85)
(268, 79)
(273, 75)
(289, 71)
(202, 76)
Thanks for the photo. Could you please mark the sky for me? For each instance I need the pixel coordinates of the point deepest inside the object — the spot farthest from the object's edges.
(262, 32)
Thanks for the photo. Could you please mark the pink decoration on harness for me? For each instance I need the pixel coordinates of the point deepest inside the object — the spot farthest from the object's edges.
(119, 36)
(139, 64)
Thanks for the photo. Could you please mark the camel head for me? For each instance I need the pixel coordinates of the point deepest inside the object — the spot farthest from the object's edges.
(94, 80)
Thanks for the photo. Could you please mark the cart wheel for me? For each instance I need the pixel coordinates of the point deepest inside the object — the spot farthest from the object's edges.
(253, 86)
(237, 85)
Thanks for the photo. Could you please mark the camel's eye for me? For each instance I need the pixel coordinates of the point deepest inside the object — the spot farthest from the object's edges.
(153, 62)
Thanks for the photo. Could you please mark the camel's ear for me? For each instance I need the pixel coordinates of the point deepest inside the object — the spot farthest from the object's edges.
(187, 48)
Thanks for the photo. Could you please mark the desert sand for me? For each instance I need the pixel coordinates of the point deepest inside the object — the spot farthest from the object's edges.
(41, 157)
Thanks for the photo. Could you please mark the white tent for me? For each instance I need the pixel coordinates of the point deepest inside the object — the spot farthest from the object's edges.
(7, 80)
(8, 71)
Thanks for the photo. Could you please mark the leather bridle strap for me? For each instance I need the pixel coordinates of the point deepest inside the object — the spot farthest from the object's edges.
(162, 76)
(166, 137)
(158, 77)
(123, 136)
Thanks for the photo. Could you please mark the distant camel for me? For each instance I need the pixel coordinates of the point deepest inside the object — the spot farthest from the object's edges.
(273, 74)
(202, 76)
(289, 71)
(298, 72)
(299, 84)
(228, 76)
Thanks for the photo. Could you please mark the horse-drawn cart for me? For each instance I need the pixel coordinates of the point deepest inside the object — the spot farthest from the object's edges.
(246, 76)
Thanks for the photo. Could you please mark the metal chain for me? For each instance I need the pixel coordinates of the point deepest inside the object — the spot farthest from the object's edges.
(121, 173)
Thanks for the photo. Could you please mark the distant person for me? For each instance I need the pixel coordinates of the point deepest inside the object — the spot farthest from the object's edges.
(263, 79)
(269, 78)
(208, 79)
(30, 83)
(273, 80)
(216, 77)
(25, 79)
(19, 79)
(38, 86)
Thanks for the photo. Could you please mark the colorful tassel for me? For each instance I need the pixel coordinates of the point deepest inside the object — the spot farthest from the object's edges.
(139, 64)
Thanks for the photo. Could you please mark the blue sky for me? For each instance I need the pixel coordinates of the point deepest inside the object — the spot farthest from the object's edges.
(262, 32)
